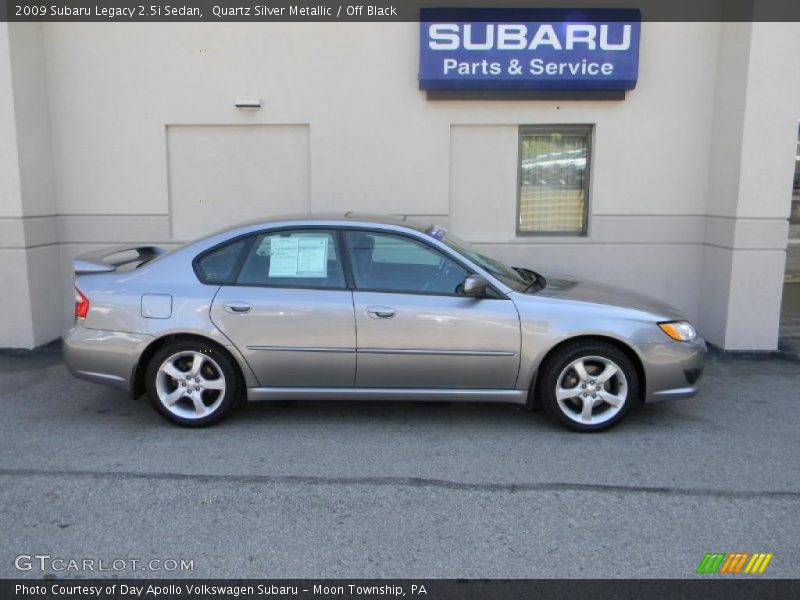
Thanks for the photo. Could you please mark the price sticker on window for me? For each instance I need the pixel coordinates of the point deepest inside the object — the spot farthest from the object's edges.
(298, 257)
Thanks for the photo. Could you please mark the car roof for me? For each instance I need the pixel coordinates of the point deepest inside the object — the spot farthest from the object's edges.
(338, 219)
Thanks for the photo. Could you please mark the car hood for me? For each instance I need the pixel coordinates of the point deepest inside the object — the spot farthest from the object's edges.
(568, 287)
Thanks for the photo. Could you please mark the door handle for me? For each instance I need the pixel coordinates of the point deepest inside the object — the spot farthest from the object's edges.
(380, 312)
(237, 308)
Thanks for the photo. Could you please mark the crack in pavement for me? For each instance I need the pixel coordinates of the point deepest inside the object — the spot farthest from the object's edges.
(414, 482)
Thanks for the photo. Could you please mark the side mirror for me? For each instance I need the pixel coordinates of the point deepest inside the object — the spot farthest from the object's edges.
(474, 286)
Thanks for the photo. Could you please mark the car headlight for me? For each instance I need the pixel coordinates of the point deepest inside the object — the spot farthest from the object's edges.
(680, 331)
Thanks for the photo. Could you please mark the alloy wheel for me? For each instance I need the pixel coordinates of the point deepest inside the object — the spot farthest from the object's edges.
(190, 384)
(591, 390)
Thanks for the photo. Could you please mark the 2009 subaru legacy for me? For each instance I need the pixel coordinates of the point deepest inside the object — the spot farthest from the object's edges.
(375, 309)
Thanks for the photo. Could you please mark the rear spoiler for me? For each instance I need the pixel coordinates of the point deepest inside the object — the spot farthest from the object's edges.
(103, 261)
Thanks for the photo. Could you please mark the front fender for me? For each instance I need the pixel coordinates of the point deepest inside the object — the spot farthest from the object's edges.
(546, 322)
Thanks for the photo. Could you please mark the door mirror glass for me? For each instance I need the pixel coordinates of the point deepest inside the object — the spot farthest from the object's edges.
(475, 286)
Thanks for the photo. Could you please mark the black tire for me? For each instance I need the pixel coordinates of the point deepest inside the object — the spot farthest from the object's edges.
(567, 413)
(219, 403)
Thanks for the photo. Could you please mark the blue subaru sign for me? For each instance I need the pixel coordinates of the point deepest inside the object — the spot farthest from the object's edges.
(529, 49)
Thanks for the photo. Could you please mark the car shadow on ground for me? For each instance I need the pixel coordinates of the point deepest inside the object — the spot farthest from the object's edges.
(90, 404)
(390, 414)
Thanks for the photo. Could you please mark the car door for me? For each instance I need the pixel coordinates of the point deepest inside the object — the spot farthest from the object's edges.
(413, 327)
(289, 311)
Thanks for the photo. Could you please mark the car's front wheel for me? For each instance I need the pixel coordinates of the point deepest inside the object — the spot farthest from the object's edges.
(588, 386)
(191, 383)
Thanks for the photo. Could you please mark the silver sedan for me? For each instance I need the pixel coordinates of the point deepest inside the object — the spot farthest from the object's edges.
(373, 309)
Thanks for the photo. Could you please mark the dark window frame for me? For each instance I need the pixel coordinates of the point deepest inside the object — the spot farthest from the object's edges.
(251, 238)
(588, 130)
(338, 232)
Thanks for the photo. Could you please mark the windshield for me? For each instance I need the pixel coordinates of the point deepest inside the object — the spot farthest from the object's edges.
(513, 278)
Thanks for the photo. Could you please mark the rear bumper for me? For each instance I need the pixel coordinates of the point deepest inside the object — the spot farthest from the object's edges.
(672, 370)
(107, 357)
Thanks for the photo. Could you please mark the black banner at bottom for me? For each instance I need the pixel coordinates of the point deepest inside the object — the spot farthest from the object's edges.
(368, 589)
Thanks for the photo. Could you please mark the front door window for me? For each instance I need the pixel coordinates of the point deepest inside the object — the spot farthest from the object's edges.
(394, 263)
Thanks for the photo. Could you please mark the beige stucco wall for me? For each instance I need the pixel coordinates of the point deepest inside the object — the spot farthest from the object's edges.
(689, 193)
(29, 254)
(757, 104)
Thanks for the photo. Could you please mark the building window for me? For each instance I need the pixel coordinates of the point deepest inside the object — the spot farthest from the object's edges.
(553, 195)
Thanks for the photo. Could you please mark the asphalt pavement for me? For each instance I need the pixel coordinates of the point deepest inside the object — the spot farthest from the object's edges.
(348, 489)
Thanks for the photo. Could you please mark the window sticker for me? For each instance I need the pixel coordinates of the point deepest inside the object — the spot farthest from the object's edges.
(283, 259)
(298, 257)
(312, 257)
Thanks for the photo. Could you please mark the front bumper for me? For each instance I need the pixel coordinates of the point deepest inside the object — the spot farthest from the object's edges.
(672, 369)
(107, 357)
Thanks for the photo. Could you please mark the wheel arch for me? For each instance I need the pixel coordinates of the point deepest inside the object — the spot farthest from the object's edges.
(627, 349)
(140, 368)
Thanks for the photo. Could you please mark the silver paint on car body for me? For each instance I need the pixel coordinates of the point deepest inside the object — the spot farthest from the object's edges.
(297, 320)
(101, 356)
(466, 327)
(325, 344)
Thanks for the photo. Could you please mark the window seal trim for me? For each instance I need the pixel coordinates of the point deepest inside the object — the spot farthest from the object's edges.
(338, 232)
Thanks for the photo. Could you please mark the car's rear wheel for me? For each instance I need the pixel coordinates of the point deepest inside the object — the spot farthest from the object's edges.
(588, 386)
(191, 383)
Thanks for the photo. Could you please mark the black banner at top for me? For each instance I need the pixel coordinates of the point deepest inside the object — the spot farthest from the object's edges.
(132, 11)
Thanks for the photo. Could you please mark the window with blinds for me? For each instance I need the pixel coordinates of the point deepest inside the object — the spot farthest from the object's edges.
(554, 179)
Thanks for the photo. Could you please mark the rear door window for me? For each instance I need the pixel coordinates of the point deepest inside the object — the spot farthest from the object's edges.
(293, 258)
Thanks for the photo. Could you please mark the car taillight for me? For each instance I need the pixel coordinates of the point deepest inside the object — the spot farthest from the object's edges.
(81, 305)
